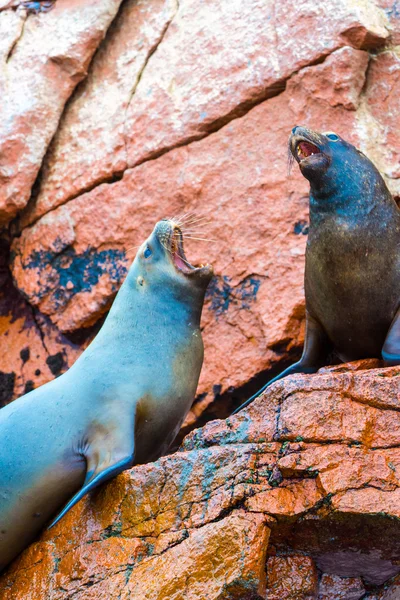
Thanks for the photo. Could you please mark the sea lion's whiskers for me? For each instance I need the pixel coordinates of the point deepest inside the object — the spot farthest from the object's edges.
(197, 217)
(129, 250)
(194, 232)
(183, 218)
(196, 227)
(176, 221)
(197, 222)
(189, 237)
(193, 217)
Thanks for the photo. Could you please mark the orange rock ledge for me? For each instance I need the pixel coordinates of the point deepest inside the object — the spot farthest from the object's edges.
(298, 496)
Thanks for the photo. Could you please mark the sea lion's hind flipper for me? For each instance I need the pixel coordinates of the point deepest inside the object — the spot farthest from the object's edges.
(103, 461)
(94, 481)
(316, 349)
(391, 347)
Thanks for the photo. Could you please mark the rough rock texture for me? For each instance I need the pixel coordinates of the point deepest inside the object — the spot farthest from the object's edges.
(42, 57)
(245, 57)
(32, 349)
(256, 490)
(291, 577)
(332, 586)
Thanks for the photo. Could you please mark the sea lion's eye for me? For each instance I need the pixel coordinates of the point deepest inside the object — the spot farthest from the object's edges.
(332, 136)
(147, 252)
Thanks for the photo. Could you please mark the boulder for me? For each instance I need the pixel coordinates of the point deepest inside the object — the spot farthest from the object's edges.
(254, 506)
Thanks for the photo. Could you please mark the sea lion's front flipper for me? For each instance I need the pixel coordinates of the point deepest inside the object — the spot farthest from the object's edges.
(316, 348)
(391, 347)
(107, 454)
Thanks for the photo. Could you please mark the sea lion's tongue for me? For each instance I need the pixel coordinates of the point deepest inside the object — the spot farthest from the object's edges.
(306, 149)
(180, 263)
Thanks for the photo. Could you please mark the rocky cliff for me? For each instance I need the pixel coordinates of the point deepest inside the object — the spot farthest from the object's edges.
(296, 497)
(116, 114)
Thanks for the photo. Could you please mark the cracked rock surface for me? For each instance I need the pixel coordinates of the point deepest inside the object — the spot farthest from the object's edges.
(254, 506)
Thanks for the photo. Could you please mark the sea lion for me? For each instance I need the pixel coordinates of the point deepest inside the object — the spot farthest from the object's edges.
(352, 272)
(121, 403)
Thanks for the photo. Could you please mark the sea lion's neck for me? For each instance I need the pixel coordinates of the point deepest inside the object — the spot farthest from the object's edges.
(355, 200)
(135, 317)
(134, 310)
(142, 330)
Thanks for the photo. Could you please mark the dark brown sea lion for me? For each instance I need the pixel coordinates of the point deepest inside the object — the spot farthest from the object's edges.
(352, 273)
(120, 404)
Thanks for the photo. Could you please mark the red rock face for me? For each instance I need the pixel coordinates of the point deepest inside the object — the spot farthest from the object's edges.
(43, 57)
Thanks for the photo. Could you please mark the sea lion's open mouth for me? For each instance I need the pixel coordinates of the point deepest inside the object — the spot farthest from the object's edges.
(305, 146)
(306, 149)
(310, 150)
(179, 259)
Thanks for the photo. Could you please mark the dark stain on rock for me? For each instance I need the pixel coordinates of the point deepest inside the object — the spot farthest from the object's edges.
(12, 304)
(275, 477)
(84, 335)
(25, 355)
(281, 346)
(72, 273)
(38, 372)
(7, 381)
(217, 389)
(38, 7)
(301, 227)
(29, 386)
(222, 294)
(55, 362)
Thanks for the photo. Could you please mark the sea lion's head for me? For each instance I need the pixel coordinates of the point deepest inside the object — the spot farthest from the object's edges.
(334, 167)
(161, 264)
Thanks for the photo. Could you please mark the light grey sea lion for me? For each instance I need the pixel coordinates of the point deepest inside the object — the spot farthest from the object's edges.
(352, 273)
(120, 404)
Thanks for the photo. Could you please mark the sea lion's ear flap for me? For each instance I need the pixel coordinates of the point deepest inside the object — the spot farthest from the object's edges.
(105, 458)
(391, 347)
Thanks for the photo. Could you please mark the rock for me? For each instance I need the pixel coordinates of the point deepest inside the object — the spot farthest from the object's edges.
(205, 519)
(233, 550)
(339, 80)
(291, 578)
(340, 588)
(165, 97)
(392, 591)
(382, 100)
(90, 141)
(43, 57)
(34, 351)
(392, 12)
